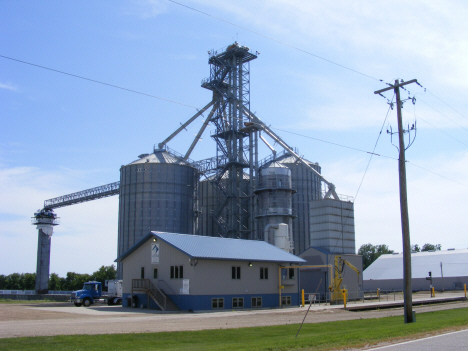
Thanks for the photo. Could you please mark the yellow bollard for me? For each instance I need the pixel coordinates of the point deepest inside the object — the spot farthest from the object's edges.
(433, 292)
(303, 303)
(344, 297)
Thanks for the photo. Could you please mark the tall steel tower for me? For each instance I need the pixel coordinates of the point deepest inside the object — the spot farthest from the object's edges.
(230, 82)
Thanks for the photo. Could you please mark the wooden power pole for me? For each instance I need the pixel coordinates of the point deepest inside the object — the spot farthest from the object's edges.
(407, 289)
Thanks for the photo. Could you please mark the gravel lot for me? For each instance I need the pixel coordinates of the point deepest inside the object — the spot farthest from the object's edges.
(19, 320)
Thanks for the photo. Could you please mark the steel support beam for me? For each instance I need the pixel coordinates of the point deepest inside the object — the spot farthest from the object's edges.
(254, 119)
(170, 137)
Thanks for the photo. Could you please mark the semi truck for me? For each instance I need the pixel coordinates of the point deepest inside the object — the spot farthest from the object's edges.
(92, 293)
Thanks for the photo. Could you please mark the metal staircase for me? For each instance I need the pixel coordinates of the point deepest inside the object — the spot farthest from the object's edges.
(158, 296)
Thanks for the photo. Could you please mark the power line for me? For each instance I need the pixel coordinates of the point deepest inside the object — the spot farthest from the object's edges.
(440, 130)
(277, 41)
(182, 104)
(451, 120)
(368, 164)
(371, 153)
(97, 81)
(437, 174)
(375, 146)
(445, 103)
(174, 102)
(336, 144)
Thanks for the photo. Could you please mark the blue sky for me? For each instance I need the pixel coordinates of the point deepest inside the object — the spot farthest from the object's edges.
(62, 134)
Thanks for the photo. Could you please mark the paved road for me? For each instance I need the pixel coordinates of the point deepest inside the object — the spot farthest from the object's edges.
(451, 341)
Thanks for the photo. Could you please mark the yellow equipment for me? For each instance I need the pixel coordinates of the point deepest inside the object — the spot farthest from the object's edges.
(335, 288)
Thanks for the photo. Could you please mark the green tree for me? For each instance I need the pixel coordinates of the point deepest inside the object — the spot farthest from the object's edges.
(75, 281)
(13, 281)
(28, 281)
(54, 282)
(415, 248)
(431, 247)
(3, 280)
(105, 273)
(371, 252)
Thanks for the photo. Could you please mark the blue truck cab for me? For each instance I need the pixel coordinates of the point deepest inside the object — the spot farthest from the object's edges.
(91, 291)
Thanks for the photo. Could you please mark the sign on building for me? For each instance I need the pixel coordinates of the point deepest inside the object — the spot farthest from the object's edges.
(155, 253)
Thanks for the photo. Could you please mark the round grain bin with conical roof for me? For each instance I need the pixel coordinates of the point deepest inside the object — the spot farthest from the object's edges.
(157, 193)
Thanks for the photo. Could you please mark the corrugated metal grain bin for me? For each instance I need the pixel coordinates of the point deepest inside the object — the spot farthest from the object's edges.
(308, 187)
(157, 193)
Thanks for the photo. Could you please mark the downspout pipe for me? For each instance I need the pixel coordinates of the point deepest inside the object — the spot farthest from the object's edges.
(265, 231)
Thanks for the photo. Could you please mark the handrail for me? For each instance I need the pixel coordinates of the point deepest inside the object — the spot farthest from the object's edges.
(149, 287)
(172, 291)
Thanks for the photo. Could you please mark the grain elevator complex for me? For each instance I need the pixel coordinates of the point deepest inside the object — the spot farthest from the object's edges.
(280, 197)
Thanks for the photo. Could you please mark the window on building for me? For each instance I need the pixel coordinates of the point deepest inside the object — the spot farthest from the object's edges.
(177, 272)
(263, 273)
(142, 273)
(237, 302)
(256, 302)
(286, 300)
(287, 273)
(155, 273)
(217, 303)
(236, 273)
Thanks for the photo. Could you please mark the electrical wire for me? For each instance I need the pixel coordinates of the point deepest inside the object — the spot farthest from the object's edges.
(440, 130)
(425, 89)
(97, 81)
(277, 41)
(451, 120)
(333, 143)
(437, 174)
(182, 104)
(375, 146)
(368, 164)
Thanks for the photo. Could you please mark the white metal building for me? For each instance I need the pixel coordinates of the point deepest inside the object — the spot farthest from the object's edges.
(449, 271)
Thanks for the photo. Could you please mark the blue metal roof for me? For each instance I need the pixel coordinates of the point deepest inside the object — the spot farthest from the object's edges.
(217, 248)
(454, 264)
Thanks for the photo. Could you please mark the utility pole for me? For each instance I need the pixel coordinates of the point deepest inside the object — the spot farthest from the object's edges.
(407, 289)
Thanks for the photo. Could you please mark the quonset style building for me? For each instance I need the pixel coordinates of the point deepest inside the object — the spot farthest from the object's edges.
(233, 194)
(447, 268)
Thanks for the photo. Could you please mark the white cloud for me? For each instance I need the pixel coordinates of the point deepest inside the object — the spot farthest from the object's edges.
(85, 240)
(9, 86)
(147, 8)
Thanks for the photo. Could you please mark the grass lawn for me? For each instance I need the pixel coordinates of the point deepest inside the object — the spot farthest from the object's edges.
(323, 336)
